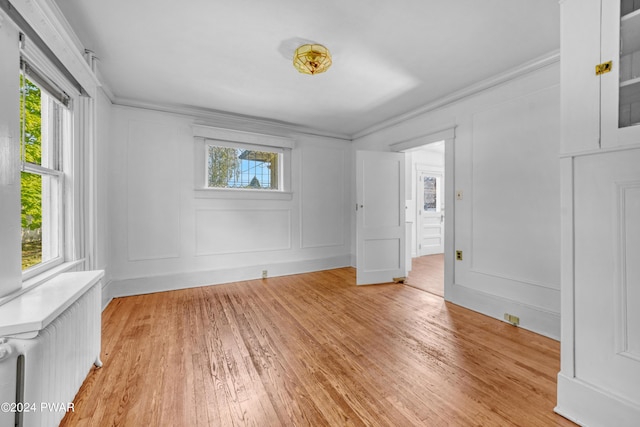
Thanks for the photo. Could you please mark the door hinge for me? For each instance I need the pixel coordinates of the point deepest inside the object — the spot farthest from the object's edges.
(604, 68)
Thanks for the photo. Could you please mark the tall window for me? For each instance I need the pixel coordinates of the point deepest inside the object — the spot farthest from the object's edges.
(44, 122)
(243, 168)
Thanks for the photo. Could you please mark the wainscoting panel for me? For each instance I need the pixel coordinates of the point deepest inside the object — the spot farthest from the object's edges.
(227, 231)
(515, 195)
(153, 192)
(628, 292)
(322, 197)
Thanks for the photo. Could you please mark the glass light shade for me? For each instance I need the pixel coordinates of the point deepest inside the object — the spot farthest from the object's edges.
(312, 59)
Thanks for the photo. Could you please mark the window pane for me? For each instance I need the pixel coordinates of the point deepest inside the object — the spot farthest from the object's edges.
(242, 169)
(31, 120)
(31, 198)
(430, 194)
(40, 218)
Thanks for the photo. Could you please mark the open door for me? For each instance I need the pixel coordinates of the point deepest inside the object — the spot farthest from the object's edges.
(380, 218)
(430, 214)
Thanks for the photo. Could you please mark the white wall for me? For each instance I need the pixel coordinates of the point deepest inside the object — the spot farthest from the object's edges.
(10, 255)
(508, 223)
(165, 236)
(103, 140)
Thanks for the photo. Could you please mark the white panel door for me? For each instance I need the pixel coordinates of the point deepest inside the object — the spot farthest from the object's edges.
(380, 216)
(430, 230)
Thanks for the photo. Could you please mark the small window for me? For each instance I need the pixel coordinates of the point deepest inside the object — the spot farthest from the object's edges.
(42, 124)
(233, 164)
(244, 168)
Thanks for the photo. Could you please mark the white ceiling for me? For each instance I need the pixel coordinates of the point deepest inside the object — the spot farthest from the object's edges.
(389, 57)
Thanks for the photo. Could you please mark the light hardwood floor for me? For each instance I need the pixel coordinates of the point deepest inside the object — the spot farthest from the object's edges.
(315, 350)
(427, 273)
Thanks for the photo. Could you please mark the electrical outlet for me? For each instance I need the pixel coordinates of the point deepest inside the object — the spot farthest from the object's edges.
(514, 320)
(265, 274)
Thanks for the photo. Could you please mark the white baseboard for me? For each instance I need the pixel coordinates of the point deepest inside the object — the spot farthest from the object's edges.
(532, 318)
(106, 295)
(170, 282)
(590, 406)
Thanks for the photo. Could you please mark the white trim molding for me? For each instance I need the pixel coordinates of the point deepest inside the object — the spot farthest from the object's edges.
(448, 133)
(47, 20)
(229, 120)
(170, 282)
(509, 75)
(222, 134)
(587, 405)
(535, 319)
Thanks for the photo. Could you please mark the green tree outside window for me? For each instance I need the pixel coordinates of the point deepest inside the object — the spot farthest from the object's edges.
(31, 184)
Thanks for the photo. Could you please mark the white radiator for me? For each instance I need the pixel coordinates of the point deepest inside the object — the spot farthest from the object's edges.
(40, 376)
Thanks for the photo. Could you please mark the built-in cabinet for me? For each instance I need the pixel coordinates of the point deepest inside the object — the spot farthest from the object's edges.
(620, 103)
(599, 382)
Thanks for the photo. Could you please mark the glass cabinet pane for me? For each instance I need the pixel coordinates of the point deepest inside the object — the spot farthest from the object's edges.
(628, 6)
(629, 97)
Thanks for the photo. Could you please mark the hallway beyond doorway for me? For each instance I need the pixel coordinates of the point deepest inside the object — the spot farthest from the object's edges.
(427, 274)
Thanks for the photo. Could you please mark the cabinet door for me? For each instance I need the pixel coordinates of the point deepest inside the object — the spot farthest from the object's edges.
(620, 88)
(607, 272)
(580, 88)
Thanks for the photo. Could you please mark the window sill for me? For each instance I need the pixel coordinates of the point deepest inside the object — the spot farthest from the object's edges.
(41, 278)
(35, 309)
(215, 193)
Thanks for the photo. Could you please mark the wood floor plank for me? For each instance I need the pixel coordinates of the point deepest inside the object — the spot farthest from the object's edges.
(314, 350)
(427, 273)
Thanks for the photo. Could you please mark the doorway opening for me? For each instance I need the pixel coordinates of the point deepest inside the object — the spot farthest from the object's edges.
(425, 216)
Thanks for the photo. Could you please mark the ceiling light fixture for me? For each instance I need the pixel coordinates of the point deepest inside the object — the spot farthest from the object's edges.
(312, 59)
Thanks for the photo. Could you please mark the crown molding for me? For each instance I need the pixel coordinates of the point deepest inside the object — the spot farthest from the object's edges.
(106, 90)
(231, 120)
(500, 79)
(257, 124)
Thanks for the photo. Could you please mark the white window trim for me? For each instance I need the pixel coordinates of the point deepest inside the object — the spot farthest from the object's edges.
(209, 132)
(56, 128)
(69, 220)
(205, 136)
